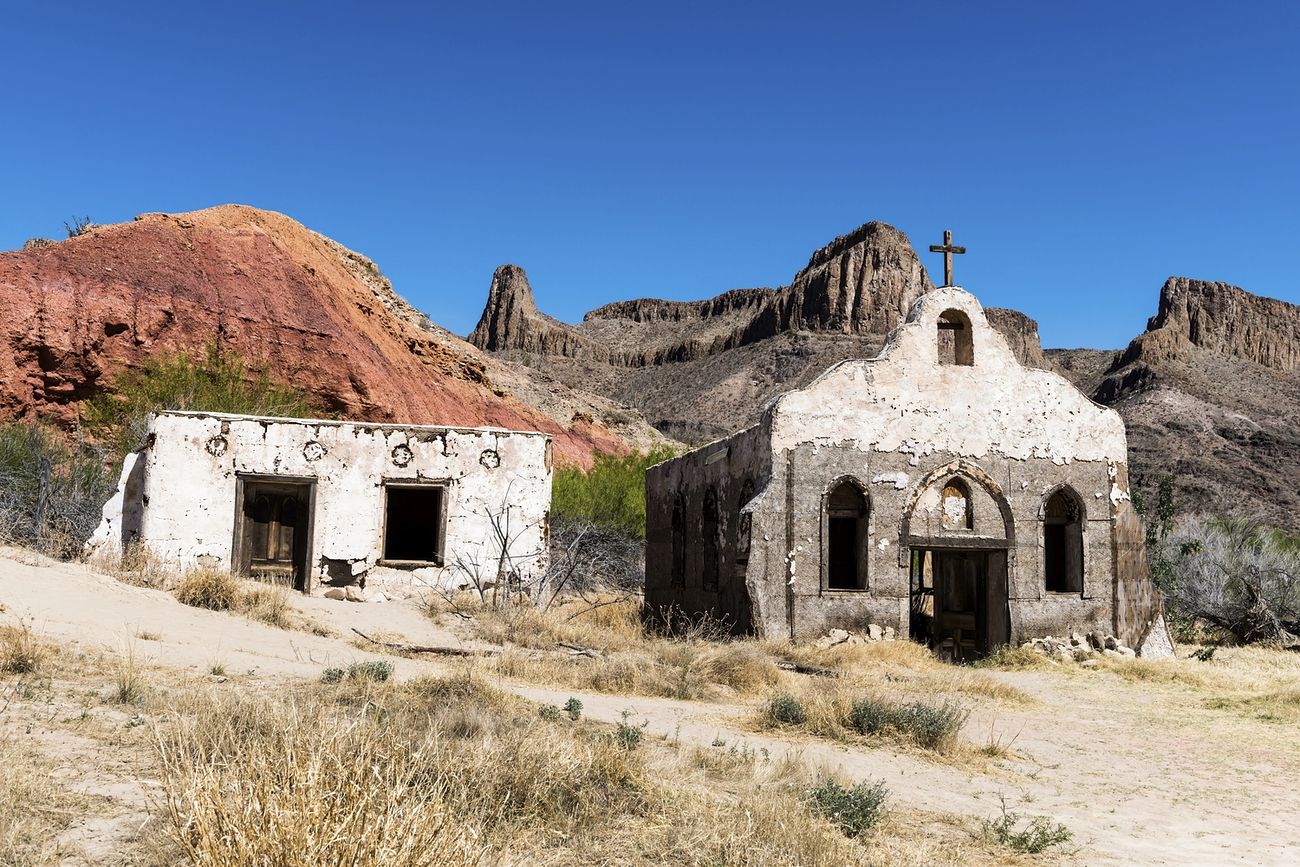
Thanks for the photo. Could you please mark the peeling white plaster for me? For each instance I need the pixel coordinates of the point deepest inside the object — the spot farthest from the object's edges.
(904, 401)
(186, 496)
(898, 480)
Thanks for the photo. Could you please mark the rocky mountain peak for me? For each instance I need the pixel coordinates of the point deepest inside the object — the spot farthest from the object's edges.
(1230, 321)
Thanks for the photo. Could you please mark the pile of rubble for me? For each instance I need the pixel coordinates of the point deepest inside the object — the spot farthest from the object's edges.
(1080, 648)
(873, 634)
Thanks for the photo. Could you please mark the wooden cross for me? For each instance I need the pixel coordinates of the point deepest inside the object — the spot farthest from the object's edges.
(947, 250)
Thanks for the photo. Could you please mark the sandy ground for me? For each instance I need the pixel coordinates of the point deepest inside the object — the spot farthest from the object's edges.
(1142, 774)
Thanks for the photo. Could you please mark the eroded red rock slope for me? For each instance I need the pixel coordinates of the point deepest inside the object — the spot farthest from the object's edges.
(74, 314)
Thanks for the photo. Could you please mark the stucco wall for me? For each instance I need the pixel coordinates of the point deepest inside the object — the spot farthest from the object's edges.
(901, 425)
(192, 462)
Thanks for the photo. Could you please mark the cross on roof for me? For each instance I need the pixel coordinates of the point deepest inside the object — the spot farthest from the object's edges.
(947, 249)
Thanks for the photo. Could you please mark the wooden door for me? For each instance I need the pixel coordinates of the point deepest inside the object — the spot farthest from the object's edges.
(960, 630)
(274, 535)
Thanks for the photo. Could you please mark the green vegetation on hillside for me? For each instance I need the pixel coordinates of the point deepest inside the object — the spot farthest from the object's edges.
(219, 381)
(611, 494)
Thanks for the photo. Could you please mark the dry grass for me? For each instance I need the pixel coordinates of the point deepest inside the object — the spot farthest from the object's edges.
(450, 771)
(22, 651)
(630, 660)
(209, 587)
(136, 565)
(129, 684)
(34, 810)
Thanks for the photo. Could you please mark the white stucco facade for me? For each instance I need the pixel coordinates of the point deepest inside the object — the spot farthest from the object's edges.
(181, 496)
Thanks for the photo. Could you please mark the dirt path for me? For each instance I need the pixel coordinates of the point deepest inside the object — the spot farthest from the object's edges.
(1139, 774)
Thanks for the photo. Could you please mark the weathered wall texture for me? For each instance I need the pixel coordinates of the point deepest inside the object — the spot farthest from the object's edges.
(900, 426)
(186, 480)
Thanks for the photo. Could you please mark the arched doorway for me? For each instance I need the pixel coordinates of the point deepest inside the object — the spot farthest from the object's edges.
(959, 561)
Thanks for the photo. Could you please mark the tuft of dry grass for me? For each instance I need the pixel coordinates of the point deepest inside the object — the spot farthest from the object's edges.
(22, 651)
(136, 565)
(129, 685)
(209, 587)
(268, 603)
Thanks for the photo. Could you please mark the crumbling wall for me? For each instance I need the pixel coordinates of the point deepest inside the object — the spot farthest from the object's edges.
(194, 459)
(736, 469)
(901, 424)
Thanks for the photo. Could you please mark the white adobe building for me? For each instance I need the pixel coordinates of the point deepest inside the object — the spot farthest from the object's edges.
(316, 504)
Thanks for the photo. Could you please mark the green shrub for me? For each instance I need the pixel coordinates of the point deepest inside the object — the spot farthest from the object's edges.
(928, 726)
(854, 810)
(931, 727)
(332, 675)
(786, 710)
(219, 381)
(611, 494)
(573, 707)
(870, 716)
(376, 669)
(1039, 835)
(627, 735)
(550, 713)
(52, 489)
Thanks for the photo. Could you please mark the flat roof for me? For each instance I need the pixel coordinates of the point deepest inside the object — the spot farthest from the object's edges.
(333, 422)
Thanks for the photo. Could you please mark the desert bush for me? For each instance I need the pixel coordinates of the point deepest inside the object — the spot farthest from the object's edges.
(853, 809)
(1236, 575)
(220, 380)
(268, 603)
(931, 727)
(210, 587)
(785, 709)
(611, 494)
(52, 489)
(1037, 836)
(78, 226)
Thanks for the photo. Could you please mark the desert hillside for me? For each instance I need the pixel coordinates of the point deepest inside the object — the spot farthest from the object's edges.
(1210, 393)
(305, 308)
(701, 369)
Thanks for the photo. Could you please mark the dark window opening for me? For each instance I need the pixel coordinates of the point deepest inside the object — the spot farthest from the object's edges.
(679, 543)
(1063, 544)
(709, 527)
(955, 343)
(413, 524)
(744, 522)
(846, 542)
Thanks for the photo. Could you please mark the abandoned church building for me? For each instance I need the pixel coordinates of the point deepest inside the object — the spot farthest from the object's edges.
(315, 504)
(940, 489)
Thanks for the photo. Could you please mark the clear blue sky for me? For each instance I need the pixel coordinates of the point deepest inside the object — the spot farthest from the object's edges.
(1083, 152)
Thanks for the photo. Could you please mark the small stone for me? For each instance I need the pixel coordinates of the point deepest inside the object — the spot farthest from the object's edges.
(1111, 642)
(336, 593)
(1113, 654)
(874, 632)
(1096, 640)
(1127, 652)
(1090, 663)
(1076, 639)
(217, 678)
(856, 638)
(354, 594)
(889, 633)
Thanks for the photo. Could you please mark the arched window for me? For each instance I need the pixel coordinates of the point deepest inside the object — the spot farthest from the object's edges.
(955, 344)
(678, 576)
(709, 527)
(744, 523)
(1063, 543)
(956, 506)
(845, 554)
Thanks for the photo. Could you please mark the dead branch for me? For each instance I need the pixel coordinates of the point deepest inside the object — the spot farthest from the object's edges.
(427, 648)
(800, 668)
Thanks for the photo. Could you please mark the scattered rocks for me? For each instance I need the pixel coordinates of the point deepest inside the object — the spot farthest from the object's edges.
(873, 633)
(1083, 649)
